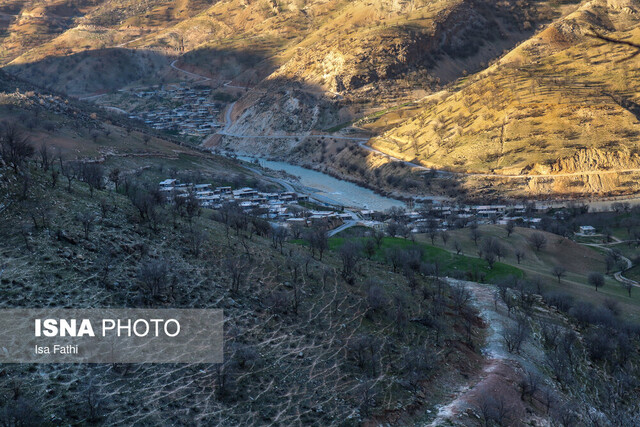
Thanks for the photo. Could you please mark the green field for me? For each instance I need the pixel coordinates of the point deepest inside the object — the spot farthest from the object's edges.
(449, 263)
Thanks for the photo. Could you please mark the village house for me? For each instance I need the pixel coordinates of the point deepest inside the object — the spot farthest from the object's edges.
(587, 230)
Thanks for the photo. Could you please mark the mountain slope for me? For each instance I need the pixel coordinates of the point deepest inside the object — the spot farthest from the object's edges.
(360, 49)
(562, 103)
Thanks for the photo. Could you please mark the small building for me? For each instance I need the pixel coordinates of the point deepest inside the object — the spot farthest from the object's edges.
(169, 183)
(223, 190)
(587, 230)
(376, 225)
(245, 193)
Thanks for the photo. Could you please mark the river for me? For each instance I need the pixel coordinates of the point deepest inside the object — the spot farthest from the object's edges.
(331, 189)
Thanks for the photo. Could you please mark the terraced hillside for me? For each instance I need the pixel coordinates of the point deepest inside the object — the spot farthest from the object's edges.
(557, 115)
(67, 26)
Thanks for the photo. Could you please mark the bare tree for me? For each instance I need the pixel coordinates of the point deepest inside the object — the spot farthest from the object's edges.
(237, 270)
(296, 230)
(318, 241)
(104, 263)
(25, 184)
(529, 384)
(197, 238)
(15, 145)
(114, 176)
(370, 248)
(559, 271)
(86, 219)
(378, 235)
(70, 171)
(492, 246)
(105, 207)
(192, 209)
(511, 225)
(153, 277)
(350, 255)
(94, 402)
(520, 254)
(278, 237)
(393, 228)
(628, 286)
(376, 298)
(432, 232)
(596, 279)
(493, 410)
(54, 177)
(394, 256)
(226, 374)
(475, 235)
(538, 240)
(460, 296)
(93, 175)
(457, 246)
(515, 335)
(364, 349)
(45, 157)
(445, 237)
(418, 366)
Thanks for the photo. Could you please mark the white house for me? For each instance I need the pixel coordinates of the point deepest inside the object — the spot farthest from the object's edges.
(587, 230)
(169, 183)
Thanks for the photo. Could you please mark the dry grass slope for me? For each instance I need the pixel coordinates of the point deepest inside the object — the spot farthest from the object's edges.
(561, 105)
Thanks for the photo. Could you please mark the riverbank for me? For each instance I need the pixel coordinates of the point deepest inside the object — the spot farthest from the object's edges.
(326, 186)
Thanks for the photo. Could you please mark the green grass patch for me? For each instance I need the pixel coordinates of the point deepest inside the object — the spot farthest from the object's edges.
(339, 127)
(450, 263)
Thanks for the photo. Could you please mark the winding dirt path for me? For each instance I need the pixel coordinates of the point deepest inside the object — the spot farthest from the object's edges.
(499, 367)
(618, 274)
(189, 73)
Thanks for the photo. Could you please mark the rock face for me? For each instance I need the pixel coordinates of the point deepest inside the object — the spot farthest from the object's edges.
(459, 30)
(593, 159)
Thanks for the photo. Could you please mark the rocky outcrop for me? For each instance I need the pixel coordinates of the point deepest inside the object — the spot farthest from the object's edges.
(593, 159)
(458, 31)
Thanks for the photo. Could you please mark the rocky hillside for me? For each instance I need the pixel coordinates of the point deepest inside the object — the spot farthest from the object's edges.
(367, 52)
(29, 25)
(560, 111)
(305, 341)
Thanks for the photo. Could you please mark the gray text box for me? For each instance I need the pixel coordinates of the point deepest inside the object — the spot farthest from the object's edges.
(111, 336)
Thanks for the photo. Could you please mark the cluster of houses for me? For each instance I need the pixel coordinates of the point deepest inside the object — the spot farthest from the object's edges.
(278, 207)
(289, 208)
(443, 217)
(194, 115)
